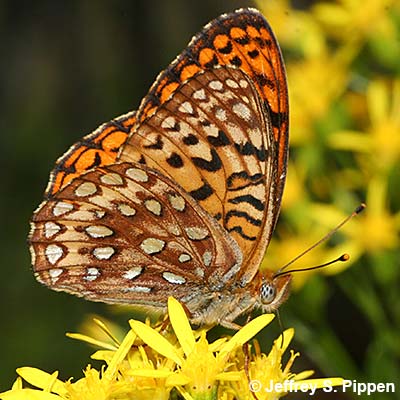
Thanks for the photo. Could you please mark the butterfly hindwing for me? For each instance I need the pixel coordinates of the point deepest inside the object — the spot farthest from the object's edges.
(123, 230)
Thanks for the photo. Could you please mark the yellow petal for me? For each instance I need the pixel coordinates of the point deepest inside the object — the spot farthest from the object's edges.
(378, 101)
(17, 384)
(156, 341)
(350, 140)
(103, 355)
(287, 338)
(90, 340)
(181, 325)
(120, 354)
(41, 379)
(303, 375)
(28, 394)
(106, 330)
(247, 332)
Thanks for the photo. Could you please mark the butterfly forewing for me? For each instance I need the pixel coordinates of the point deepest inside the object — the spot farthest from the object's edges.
(212, 138)
(98, 148)
(120, 231)
(244, 40)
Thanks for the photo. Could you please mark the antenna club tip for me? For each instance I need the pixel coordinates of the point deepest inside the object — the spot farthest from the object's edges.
(360, 208)
(344, 257)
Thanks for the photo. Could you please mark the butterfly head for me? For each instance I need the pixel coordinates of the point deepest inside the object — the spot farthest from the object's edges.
(271, 291)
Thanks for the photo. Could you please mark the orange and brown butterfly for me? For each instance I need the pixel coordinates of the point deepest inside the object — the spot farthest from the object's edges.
(180, 198)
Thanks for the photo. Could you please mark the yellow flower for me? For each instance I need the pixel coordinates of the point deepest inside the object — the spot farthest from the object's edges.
(351, 20)
(381, 141)
(376, 230)
(294, 192)
(50, 385)
(182, 359)
(200, 365)
(269, 381)
(95, 385)
(287, 25)
(379, 229)
(308, 102)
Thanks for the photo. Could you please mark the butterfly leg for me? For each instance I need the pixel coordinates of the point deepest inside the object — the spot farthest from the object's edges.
(231, 325)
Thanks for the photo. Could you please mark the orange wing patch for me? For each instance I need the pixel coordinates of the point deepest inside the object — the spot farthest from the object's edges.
(244, 40)
(99, 148)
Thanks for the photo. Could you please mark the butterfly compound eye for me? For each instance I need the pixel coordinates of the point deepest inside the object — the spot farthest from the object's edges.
(267, 293)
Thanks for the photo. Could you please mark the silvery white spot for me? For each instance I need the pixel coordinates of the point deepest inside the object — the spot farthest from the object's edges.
(199, 94)
(103, 253)
(168, 123)
(100, 213)
(132, 273)
(137, 174)
(53, 253)
(220, 114)
(232, 84)
(55, 273)
(126, 210)
(173, 278)
(243, 83)
(207, 258)
(98, 231)
(85, 189)
(138, 289)
(184, 258)
(154, 206)
(92, 274)
(62, 208)
(152, 245)
(242, 111)
(196, 232)
(216, 85)
(51, 229)
(112, 178)
(186, 107)
(177, 202)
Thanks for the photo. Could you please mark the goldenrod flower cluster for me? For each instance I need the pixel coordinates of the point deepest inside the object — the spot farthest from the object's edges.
(343, 62)
(159, 363)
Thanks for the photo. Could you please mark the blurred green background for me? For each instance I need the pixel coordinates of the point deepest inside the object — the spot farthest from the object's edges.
(69, 66)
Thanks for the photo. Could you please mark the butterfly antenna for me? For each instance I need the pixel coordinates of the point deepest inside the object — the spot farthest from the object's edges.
(344, 257)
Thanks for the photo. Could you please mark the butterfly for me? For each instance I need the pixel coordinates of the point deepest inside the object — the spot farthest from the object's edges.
(181, 197)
